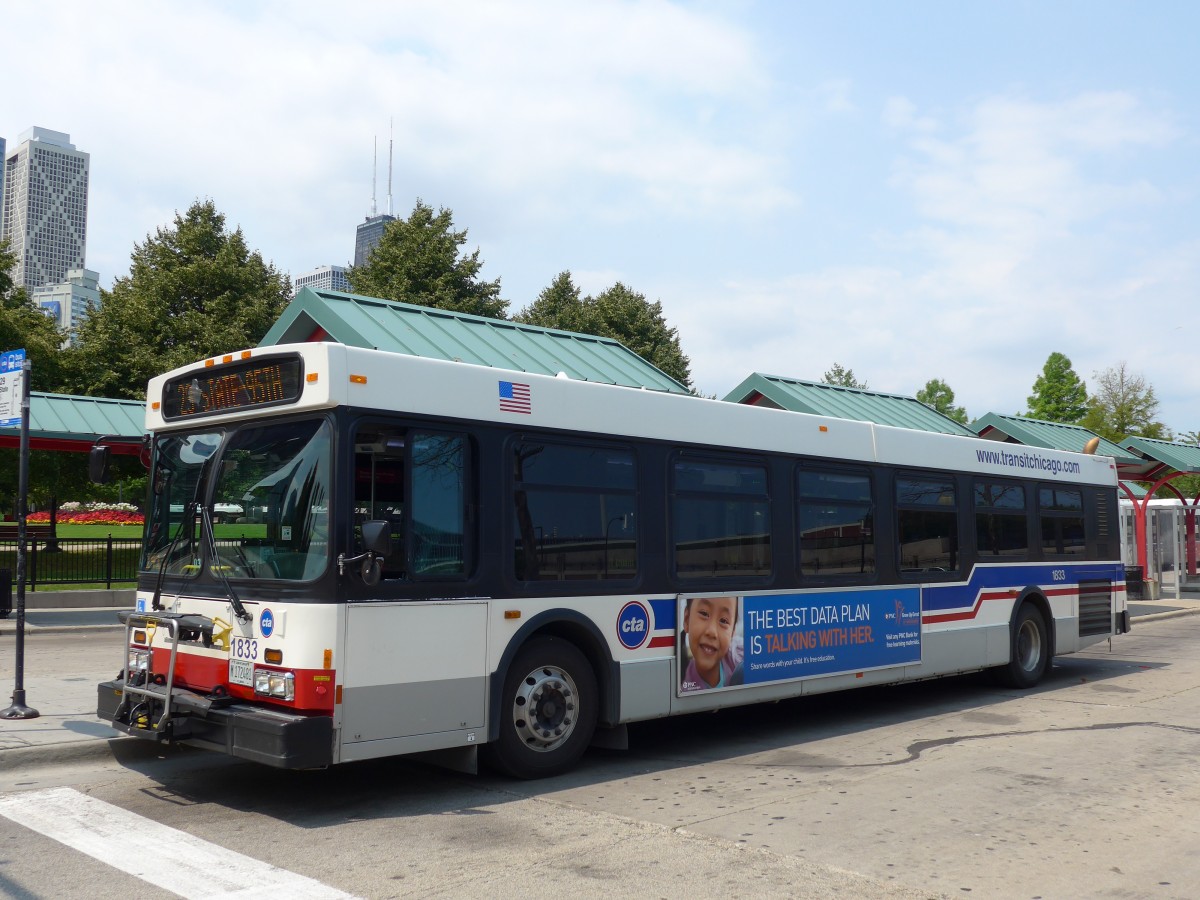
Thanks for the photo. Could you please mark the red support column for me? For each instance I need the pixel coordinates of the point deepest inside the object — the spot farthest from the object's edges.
(1190, 551)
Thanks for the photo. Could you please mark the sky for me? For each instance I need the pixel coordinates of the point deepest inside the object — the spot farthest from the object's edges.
(912, 190)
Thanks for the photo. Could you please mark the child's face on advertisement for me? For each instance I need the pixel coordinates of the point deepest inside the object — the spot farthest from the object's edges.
(709, 623)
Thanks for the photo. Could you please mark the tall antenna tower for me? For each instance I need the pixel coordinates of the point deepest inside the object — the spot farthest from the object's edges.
(390, 121)
(374, 170)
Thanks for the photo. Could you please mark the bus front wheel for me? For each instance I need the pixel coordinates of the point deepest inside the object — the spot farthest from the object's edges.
(548, 711)
(1029, 659)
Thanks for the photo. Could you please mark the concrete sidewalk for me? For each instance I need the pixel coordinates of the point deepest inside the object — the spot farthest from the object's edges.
(67, 729)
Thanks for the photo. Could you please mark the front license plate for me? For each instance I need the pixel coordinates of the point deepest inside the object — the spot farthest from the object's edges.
(241, 671)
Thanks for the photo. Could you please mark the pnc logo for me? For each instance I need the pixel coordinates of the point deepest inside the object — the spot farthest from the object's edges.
(633, 625)
(266, 623)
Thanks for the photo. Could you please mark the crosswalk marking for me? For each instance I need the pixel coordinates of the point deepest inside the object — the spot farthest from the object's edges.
(162, 856)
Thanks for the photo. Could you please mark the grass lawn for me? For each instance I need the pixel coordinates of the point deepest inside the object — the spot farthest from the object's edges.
(99, 531)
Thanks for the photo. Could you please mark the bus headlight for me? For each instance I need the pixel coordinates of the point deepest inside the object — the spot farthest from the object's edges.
(281, 685)
(138, 661)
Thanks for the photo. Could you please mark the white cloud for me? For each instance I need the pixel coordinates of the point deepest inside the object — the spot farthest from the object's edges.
(601, 110)
(1019, 249)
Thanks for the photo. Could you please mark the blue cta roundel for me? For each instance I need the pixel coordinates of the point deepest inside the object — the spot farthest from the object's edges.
(633, 625)
(266, 622)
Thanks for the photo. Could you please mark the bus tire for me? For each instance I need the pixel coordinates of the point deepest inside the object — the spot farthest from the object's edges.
(547, 712)
(1029, 658)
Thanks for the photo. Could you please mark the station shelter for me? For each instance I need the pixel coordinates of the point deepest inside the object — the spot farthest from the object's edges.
(72, 424)
(1158, 533)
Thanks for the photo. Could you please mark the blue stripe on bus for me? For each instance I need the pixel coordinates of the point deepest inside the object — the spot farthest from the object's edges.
(665, 612)
(940, 597)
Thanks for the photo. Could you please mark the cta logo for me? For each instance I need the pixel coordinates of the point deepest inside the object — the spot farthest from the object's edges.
(633, 625)
(266, 623)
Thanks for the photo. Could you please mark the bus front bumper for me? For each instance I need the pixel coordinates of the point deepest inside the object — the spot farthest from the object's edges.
(273, 737)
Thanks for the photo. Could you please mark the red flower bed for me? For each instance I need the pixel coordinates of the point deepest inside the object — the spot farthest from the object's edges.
(98, 517)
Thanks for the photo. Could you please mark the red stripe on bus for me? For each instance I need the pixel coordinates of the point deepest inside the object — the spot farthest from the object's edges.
(1007, 594)
(314, 687)
(666, 640)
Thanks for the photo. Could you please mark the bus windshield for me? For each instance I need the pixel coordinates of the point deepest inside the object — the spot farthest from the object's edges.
(266, 490)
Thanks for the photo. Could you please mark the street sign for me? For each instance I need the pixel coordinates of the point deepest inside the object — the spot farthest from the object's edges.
(12, 370)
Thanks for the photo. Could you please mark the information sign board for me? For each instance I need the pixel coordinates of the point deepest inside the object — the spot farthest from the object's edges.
(12, 370)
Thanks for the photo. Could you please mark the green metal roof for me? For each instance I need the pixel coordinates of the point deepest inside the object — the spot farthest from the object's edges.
(359, 321)
(1050, 435)
(843, 403)
(56, 420)
(1169, 455)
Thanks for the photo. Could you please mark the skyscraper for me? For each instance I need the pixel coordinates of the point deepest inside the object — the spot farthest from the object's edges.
(44, 212)
(371, 231)
(67, 301)
(369, 234)
(324, 278)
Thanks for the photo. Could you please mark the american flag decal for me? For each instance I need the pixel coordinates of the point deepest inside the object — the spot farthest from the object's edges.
(514, 398)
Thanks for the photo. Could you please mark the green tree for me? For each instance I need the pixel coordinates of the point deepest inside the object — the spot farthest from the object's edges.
(417, 261)
(24, 326)
(193, 290)
(937, 395)
(842, 378)
(627, 316)
(1124, 404)
(1059, 395)
(619, 313)
(558, 306)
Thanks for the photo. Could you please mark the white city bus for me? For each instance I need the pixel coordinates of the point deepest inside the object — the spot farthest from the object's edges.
(351, 554)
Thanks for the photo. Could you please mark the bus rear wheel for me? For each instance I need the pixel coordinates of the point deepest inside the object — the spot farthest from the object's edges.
(548, 710)
(1029, 658)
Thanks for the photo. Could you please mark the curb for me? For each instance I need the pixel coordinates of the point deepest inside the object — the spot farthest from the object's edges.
(1170, 614)
(37, 756)
(58, 629)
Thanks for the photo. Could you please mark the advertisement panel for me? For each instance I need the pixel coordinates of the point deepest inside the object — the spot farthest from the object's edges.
(12, 370)
(733, 641)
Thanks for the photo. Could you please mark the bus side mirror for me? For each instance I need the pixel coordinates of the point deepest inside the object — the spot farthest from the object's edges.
(377, 541)
(377, 537)
(98, 465)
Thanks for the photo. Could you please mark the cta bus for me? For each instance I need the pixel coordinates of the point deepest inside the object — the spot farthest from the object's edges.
(351, 554)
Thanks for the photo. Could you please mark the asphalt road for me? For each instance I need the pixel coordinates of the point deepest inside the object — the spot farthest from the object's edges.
(1086, 786)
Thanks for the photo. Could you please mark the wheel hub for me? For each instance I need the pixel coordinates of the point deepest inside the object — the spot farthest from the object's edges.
(544, 708)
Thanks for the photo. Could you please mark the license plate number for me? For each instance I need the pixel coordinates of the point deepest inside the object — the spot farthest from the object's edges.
(242, 654)
(241, 672)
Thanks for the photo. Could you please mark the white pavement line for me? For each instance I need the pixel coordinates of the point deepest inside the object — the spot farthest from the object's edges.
(163, 856)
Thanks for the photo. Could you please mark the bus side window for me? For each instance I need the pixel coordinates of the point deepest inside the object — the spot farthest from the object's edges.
(1060, 511)
(927, 525)
(379, 484)
(438, 504)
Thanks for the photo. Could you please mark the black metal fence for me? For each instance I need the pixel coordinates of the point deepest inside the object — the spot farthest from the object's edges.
(106, 560)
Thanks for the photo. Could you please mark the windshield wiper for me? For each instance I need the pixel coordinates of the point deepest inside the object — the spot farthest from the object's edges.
(215, 565)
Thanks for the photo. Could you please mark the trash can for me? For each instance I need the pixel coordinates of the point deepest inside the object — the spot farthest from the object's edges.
(1135, 583)
(6, 595)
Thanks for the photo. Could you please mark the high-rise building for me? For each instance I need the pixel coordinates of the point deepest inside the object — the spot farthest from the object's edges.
(67, 301)
(44, 212)
(1, 188)
(325, 278)
(369, 234)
